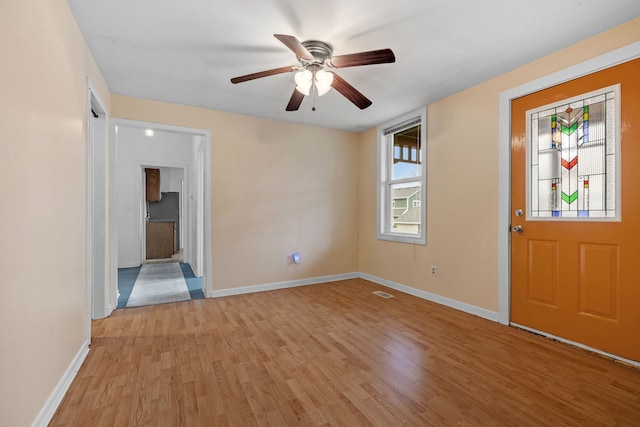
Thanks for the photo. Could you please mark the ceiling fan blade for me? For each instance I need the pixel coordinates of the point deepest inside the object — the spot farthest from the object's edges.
(350, 92)
(294, 44)
(261, 74)
(295, 101)
(382, 56)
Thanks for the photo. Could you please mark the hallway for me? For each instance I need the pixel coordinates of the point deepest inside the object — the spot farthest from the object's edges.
(127, 279)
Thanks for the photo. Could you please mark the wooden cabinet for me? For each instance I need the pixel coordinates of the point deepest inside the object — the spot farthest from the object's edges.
(160, 239)
(153, 184)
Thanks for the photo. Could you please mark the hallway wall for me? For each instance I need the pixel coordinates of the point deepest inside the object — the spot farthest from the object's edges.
(43, 250)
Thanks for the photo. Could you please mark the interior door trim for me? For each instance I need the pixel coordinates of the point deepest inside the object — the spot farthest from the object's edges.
(615, 57)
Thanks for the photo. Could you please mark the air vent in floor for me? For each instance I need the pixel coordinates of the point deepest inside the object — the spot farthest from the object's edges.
(383, 294)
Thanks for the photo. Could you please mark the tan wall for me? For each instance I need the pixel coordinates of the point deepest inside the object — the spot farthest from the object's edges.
(462, 182)
(43, 218)
(277, 188)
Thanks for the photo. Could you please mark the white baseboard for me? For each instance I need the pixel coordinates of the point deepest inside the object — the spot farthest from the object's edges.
(439, 299)
(458, 305)
(281, 285)
(52, 403)
(129, 264)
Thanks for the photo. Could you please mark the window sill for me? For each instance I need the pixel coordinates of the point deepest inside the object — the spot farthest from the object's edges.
(402, 238)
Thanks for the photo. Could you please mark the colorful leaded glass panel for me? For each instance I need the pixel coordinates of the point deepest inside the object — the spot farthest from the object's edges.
(572, 152)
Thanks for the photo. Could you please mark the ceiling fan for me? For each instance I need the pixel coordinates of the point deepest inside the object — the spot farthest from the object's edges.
(312, 77)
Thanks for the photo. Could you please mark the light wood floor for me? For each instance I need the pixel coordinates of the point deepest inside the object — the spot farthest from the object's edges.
(335, 354)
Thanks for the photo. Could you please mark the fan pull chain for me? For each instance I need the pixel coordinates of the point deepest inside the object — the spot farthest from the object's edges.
(315, 95)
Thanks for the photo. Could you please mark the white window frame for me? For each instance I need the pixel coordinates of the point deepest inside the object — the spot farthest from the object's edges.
(384, 212)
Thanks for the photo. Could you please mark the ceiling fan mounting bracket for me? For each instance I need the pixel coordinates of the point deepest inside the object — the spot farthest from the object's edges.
(320, 50)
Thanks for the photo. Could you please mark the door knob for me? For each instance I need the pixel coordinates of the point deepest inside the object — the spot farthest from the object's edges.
(517, 229)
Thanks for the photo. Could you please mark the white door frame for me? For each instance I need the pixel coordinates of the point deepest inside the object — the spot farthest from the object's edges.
(100, 300)
(615, 57)
(204, 156)
(200, 173)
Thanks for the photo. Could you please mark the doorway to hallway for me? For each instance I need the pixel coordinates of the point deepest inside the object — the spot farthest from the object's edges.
(181, 204)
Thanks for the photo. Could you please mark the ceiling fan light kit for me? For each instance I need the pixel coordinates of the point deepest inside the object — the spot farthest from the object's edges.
(312, 76)
(314, 56)
(304, 81)
(323, 80)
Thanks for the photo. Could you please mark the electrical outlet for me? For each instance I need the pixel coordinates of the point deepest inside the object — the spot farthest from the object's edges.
(434, 271)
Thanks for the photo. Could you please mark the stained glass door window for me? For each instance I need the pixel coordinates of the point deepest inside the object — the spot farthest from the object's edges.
(572, 154)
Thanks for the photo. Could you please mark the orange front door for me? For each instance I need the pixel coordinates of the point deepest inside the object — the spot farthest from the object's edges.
(572, 276)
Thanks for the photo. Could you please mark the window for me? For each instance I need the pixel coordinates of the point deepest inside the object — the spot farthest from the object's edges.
(402, 178)
(573, 158)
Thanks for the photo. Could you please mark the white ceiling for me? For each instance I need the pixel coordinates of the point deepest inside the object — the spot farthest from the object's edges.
(185, 52)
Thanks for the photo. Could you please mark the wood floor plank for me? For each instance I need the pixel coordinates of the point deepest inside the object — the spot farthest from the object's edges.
(334, 354)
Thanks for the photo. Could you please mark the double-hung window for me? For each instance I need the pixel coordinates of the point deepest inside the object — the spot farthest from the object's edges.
(402, 178)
